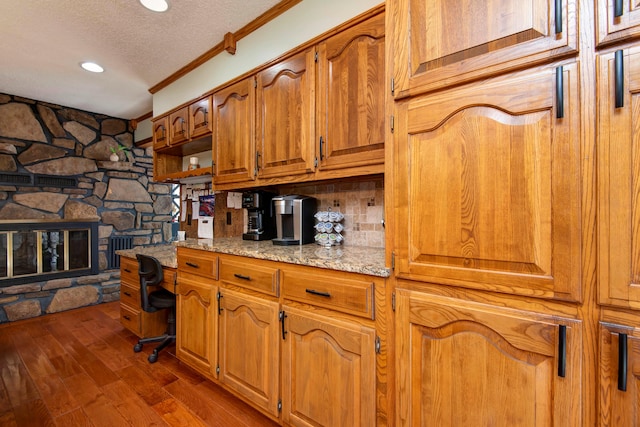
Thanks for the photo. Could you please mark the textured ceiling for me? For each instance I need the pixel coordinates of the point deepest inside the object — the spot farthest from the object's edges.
(42, 43)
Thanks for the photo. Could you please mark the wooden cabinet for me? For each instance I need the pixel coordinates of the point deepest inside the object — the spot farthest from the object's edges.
(619, 375)
(617, 20)
(196, 311)
(234, 133)
(179, 126)
(160, 132)
(619, 180)
(286, 117)
(437, 43)
(487, 186)
(132, 316)
(461, 363)
(200, 112)
(258, 275)
(328, 371)
(351, 93)
(249, 348)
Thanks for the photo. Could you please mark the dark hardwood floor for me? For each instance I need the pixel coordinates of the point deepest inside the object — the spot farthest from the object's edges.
(78, 368)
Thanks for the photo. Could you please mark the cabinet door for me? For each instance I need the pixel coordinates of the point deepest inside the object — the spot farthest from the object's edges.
(487, 186)
(233, 133)
(467, 364)
(440, 42)
(351, 85)
(196, 322)
(328, 371)
(619, 386)
(200, 118)
(160, 133)
(249, 348)
(619, 181)
(617, 20)
(179, 126)
(286, 117)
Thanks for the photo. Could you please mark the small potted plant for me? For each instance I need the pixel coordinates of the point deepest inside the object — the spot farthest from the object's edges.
(114, 157)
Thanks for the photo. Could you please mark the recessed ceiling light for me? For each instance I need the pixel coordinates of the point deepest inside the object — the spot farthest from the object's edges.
(155, 5)
(92, 66)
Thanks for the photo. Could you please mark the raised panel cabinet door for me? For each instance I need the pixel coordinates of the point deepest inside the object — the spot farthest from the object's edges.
(463, 364)
(285, 132)
(619, 375)
(179, 126)
(196, 325)
(200, 118)
(437, 43)
(328, 371)
(160, 133)
(617, 20)
(249, 348)
(233, 133)
(351, 93)
(487, 185)
(618, 145)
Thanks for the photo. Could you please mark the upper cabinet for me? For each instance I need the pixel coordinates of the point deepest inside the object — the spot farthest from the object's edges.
(286, 117)
(179, 126)
(159, 131)
(200, 117)
(234, 133)
(440, 42)
(618, 140)
(350, 99)
(486, 185)
(617, 20)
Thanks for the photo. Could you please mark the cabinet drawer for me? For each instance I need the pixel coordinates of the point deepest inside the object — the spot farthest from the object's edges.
(130, 318)
(352, 296)
(198, 262)
(129, 295)
(248, 273)
(129, 270)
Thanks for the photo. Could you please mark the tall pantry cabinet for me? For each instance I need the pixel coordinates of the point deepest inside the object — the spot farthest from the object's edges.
(491, 204)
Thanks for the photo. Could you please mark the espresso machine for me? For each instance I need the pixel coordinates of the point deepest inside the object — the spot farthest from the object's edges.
(294, 220)
(261, 220)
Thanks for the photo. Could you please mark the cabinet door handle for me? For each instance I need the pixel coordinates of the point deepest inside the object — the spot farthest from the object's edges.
(559, 93)
(558, 16)
(257, 166)
(562, 351)
(219, 298)
(282, 317)
(617, 8)
(127, 317)
(619, 79)
(127, 293)
(182, 129)
(127, 270)
(321, 148)
(192, 264)
(318, 293)
(240, 276)
(622, 362)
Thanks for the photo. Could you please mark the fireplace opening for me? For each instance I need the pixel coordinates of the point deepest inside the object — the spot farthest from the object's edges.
(47, 249)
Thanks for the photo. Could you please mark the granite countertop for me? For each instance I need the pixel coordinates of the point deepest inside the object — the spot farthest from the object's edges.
(354, 259)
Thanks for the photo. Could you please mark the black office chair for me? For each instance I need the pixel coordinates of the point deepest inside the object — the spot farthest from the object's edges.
(150, 272)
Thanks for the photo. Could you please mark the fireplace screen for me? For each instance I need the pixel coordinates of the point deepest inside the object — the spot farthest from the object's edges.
(47, 249)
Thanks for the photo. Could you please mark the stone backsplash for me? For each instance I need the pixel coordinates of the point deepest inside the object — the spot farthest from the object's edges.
(42, 138)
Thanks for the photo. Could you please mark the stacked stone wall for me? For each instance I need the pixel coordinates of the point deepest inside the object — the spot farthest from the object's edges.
(41, 138)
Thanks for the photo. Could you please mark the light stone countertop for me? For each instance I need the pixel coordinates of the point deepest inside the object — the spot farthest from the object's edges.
(354, 259)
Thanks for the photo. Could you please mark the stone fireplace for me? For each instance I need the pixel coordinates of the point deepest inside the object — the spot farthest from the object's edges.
(55, 167)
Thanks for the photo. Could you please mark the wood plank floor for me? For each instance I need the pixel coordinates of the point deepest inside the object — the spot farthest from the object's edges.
(78, 368)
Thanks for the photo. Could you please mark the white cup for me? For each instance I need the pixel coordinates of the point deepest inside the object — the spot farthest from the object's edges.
(182, 235)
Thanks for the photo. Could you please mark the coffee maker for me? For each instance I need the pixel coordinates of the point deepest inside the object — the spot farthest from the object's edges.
(294, 220)
(261, 220)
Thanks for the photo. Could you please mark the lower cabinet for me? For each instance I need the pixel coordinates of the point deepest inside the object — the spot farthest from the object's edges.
(328, 371)
(462, 363)
(619, 375)
(249, 347)
(196, 325)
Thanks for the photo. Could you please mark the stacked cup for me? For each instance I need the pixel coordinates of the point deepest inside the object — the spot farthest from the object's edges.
(328, 228)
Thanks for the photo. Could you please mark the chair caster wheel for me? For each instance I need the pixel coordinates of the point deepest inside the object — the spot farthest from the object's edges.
(137, 348)
(153, 357)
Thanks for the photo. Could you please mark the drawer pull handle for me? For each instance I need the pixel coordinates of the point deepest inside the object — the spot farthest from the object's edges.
(318, 293)
(127, 293)
(127, 270)
(240, 276)
(127, 317)
(192, 264)
(622, 362)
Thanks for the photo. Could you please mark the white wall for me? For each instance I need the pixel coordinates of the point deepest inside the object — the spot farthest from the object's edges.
(296, 26)
(143, 131)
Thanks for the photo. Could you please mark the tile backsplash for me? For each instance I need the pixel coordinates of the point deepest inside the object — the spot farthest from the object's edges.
(361, 202)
